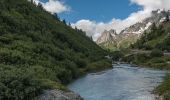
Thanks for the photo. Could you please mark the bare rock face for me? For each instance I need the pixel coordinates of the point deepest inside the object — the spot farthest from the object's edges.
(107, 36)
(59, 95)
(157, 17)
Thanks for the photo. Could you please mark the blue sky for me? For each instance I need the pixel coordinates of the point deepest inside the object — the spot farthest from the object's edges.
(98, 10)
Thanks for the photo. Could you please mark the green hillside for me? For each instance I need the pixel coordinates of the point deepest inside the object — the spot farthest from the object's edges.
(150, 49)
(157, 38)
(38, 51)
(110, 46)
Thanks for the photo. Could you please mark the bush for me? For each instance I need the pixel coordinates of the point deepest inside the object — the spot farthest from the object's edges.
(141, 58)
(158, 60)
(81, 63)
(117, 55)
(99, 65)
(16, 84)
(156, 53)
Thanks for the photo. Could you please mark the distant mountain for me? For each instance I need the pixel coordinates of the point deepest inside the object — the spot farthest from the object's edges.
(130, 34)
(108, 39)
(157, 17)
(107, 36)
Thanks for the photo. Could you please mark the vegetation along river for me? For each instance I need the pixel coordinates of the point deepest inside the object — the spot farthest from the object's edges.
(123, 82)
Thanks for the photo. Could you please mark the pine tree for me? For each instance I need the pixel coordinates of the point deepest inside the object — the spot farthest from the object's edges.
(91, 38)
(40, 5)
(69, 24)
(32, 1)
(76, 28)
(153, 27)
(64, 21)
(56, 16)
(167, 17)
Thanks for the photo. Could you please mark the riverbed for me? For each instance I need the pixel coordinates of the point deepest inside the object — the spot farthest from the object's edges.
(123, 82)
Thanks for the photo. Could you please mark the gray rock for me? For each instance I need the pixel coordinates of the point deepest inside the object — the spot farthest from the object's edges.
(59, 95)
(107, 36)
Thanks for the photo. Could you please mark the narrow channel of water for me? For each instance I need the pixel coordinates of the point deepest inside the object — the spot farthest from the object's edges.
(123, 82)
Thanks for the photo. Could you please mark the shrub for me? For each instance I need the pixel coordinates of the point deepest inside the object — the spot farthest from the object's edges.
(81, 63)
(117, 55)
(158, 60)
(141, 57)
(156, 53)
(16, 84)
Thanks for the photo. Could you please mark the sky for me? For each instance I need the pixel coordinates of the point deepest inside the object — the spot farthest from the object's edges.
(98, 10)
(95, 16)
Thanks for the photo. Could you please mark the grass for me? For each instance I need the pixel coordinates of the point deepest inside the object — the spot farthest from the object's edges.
(164, 89)
(99, 65)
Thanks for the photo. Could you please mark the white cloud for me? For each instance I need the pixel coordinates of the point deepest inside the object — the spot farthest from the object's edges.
(86, 25)
(96, 28)
(54, 6)
(153, 4)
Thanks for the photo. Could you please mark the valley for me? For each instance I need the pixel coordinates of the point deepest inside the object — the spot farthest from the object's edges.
(50, 51)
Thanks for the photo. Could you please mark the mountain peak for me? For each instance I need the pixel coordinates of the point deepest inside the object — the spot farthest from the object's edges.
(107, 36)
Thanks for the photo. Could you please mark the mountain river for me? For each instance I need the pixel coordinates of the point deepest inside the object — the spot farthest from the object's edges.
(123, 82)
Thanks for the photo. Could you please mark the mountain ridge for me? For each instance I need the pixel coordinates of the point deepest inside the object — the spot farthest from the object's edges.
(134, 31)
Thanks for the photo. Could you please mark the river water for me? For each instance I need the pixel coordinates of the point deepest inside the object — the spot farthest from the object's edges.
(123, 82)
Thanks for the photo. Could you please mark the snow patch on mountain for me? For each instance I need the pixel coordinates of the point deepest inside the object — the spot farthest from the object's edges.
(148, 25)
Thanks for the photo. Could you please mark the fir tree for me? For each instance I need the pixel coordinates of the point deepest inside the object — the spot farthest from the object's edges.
(64, 21)
(167, 17)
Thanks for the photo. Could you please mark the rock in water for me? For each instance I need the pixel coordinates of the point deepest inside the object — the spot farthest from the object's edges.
(59, 95)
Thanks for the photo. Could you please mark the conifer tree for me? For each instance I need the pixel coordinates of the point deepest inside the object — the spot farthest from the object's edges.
(167, 17)
(64, 21)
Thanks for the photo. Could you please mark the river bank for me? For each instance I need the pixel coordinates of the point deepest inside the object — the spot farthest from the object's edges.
(70, 95)
(163, 90)
(59, 95)
(61, 92)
